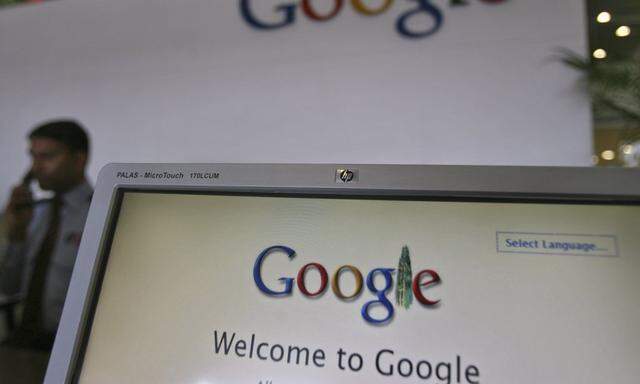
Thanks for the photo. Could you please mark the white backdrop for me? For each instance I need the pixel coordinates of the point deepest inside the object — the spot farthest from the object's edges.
(176, 81)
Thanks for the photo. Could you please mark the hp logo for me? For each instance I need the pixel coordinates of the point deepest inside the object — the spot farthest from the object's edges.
(346, 175)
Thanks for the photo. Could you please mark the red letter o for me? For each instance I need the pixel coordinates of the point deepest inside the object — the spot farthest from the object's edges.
(313, 15)
(323, 279)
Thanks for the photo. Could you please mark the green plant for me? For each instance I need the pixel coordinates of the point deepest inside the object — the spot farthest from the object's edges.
(614, 86)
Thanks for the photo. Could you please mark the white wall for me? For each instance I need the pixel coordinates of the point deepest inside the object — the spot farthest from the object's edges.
(176, 81)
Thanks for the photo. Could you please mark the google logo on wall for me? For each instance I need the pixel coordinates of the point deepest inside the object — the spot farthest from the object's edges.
(286, 13)
(407, 286)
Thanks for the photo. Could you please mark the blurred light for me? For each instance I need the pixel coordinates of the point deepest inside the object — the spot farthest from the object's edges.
(599, 53)
(603, 17)
(627, 149)
(623, 31)
(608, 155)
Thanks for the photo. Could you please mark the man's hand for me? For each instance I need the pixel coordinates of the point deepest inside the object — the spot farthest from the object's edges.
(19, 212)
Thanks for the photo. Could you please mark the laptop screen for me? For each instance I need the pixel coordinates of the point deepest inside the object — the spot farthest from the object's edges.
(218, 287)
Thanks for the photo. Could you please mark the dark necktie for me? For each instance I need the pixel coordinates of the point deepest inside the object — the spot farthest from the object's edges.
(32, 318)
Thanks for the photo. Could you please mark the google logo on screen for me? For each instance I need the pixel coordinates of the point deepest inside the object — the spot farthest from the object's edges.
(286, 13)
(407, 286)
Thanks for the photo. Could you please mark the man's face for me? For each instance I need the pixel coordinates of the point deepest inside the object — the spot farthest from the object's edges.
(54, 165)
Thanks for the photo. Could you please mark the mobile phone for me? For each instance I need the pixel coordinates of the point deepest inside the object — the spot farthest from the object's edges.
(39, 194)
(27, 178)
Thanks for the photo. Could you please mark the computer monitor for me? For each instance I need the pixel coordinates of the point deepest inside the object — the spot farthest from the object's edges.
(240, 273)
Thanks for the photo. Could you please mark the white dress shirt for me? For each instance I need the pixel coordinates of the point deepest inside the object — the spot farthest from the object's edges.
(20, 258)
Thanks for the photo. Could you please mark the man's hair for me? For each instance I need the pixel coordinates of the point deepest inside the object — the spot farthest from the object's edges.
(68, 132)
